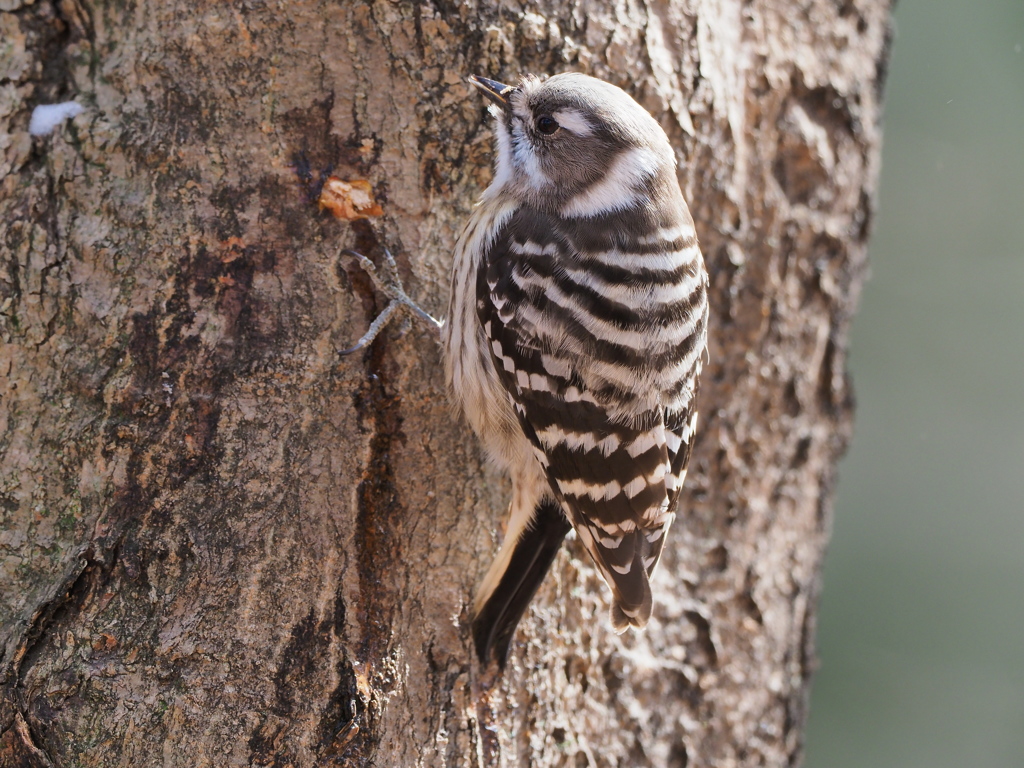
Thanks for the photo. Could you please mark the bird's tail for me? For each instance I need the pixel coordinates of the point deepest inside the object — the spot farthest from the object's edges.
(627, 561)
(631, 601)
(514, 578)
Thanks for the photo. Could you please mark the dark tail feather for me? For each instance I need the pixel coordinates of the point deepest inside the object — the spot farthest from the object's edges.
(635, 612)
(495, 624)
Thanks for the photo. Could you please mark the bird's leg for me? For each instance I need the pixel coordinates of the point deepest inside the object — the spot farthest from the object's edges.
(390, 284)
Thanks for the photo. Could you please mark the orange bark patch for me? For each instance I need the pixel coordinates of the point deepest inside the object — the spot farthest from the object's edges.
(349, 200)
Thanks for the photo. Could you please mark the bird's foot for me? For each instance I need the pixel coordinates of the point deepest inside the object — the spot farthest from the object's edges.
(390, 284)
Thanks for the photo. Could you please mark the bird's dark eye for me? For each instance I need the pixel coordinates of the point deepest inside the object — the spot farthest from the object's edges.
(547, 125)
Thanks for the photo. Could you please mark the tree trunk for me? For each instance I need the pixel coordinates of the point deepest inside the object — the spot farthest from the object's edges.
(224, 545)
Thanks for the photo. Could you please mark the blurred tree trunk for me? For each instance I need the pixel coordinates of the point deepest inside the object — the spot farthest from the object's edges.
(223, 545)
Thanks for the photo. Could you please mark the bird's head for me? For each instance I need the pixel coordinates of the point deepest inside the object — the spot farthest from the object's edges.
(576, 146)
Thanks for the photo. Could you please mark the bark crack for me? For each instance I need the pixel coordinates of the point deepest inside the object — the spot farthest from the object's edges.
(18, 746)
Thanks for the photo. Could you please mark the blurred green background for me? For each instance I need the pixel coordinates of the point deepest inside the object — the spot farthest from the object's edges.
(921, 633)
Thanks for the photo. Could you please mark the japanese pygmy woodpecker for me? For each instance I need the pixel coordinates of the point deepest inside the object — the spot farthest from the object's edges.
(574, 340)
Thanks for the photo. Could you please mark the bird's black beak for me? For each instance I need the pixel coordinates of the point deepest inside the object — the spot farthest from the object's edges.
(493, 90)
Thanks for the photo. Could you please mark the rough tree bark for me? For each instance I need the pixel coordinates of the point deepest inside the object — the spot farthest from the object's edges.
(222, 545)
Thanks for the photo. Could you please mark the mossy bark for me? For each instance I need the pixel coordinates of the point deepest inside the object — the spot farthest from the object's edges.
(223, 545)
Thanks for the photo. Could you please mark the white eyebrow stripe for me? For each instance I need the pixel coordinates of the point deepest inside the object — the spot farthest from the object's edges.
(573, 120)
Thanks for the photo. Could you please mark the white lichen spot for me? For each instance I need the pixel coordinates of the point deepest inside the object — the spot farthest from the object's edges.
(46, 117)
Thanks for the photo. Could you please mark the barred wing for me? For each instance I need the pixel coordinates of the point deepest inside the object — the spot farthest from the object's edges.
(596, 334)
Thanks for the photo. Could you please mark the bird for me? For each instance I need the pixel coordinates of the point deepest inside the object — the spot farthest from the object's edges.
(574, 340)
